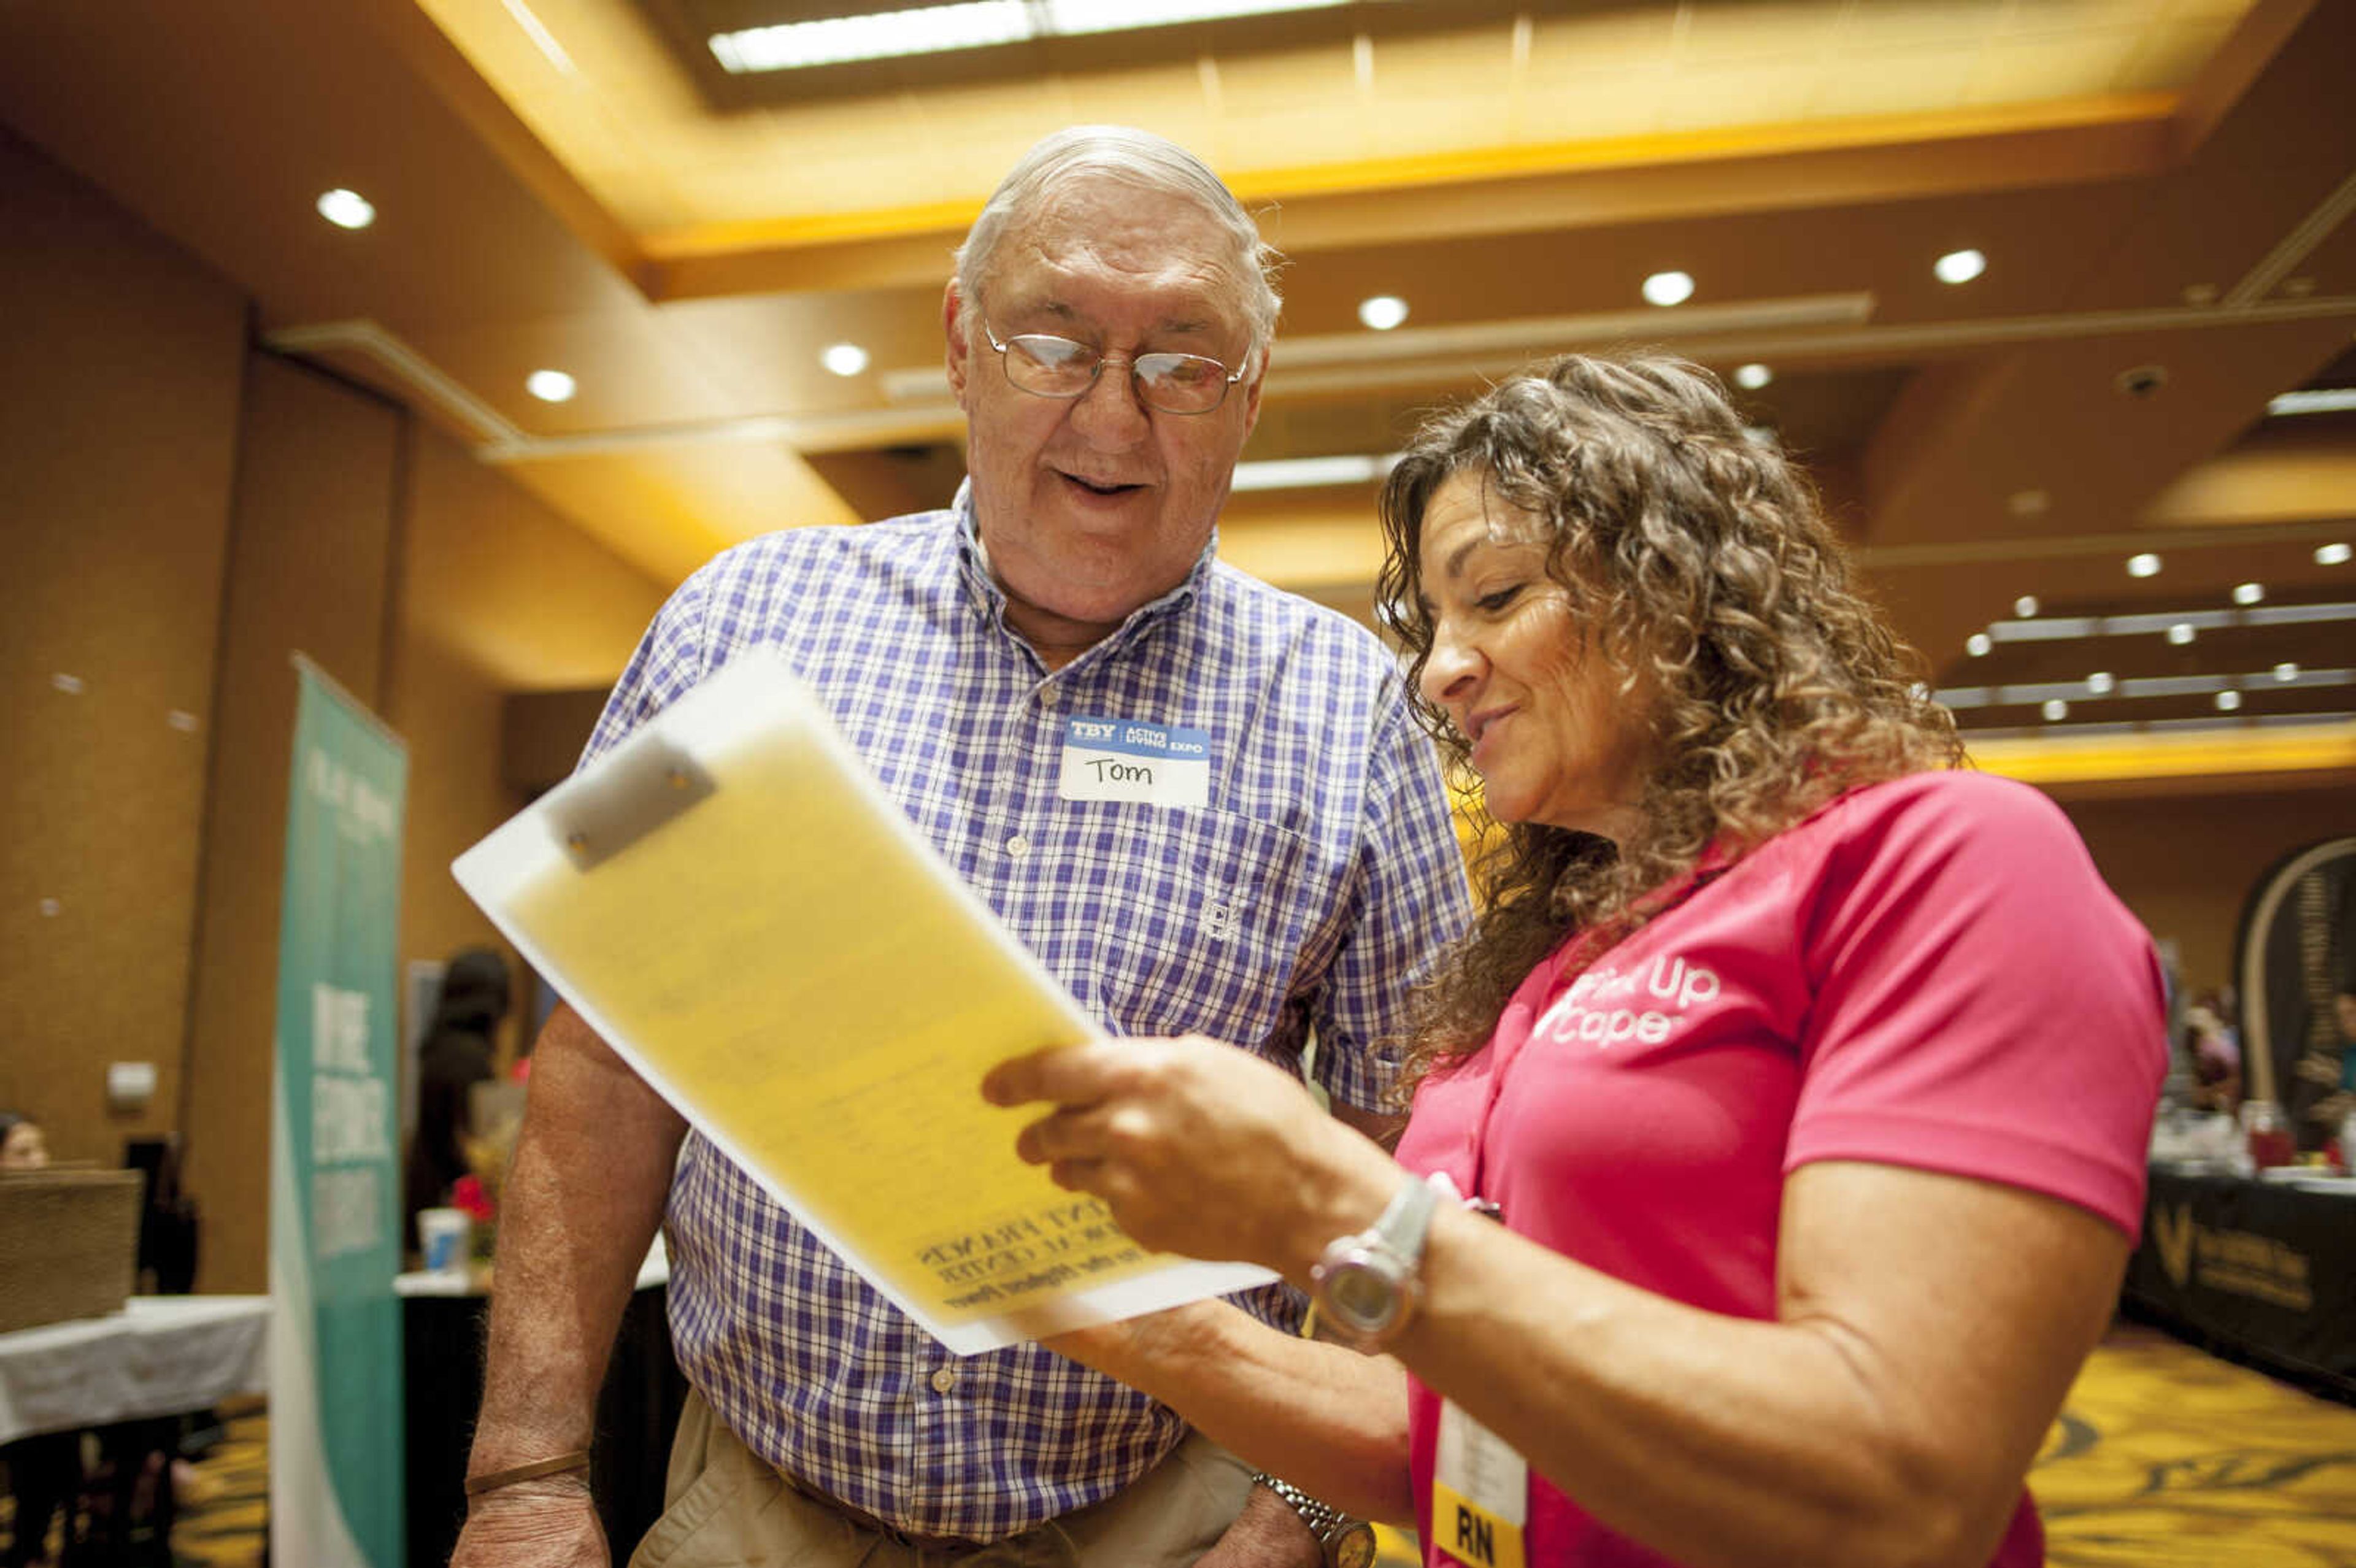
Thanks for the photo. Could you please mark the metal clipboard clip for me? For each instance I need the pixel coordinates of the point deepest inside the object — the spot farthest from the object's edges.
(645, 782)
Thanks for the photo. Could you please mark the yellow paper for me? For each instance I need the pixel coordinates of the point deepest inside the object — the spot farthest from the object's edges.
(790, 965)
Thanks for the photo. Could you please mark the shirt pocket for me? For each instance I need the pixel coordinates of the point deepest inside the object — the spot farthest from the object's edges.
(1199, 927)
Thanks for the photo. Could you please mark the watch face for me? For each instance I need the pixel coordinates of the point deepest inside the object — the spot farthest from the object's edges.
(1355, 1547)
(1361, 1292)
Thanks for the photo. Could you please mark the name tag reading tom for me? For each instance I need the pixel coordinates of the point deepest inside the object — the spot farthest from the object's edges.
(1129, 759)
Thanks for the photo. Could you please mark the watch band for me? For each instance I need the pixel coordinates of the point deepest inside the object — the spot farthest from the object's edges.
(1343, 1542)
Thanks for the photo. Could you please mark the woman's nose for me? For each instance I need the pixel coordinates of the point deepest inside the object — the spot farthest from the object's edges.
(1452, 663)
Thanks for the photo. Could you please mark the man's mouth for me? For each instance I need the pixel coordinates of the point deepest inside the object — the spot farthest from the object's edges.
(1100, 487)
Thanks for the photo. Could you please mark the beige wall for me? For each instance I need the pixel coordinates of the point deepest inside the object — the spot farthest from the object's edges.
(182, 516)
(120, 361)
(499, 595)
(2184, 864)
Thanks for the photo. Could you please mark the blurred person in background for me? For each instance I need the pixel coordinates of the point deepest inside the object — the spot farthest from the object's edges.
(460, 1045)
(23, 1145)
(45, 1469)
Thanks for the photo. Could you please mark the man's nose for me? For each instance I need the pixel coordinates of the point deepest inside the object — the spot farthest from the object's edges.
(1110, 413)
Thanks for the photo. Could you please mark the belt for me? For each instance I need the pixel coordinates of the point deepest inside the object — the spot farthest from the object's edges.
(875, 1526)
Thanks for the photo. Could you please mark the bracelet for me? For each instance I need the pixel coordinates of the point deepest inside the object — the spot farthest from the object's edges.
(492, 1480)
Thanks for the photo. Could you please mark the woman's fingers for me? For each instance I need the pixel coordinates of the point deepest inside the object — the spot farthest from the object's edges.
(1067, 1074)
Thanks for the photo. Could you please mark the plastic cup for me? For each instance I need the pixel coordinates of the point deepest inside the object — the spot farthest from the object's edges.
(442, 1237)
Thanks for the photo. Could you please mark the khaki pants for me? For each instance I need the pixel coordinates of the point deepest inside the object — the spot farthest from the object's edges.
(724, 1506)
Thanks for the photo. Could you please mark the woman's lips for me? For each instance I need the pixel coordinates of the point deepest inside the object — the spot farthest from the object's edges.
(1483, 730)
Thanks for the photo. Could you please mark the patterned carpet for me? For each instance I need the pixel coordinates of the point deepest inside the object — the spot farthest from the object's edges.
(2164, 1457)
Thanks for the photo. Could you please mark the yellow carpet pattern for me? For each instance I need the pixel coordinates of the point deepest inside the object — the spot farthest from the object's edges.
(2164, 1457)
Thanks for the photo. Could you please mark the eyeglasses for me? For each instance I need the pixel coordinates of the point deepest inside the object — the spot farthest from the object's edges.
(1059, 367)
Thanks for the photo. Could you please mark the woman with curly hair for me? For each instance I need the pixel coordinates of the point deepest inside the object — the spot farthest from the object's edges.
(1796, 1083)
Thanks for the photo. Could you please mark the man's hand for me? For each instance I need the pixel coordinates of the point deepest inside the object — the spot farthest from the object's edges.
(533, 1524)
(1267, 1534)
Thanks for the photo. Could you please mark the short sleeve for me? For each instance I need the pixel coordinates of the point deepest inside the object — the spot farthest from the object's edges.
(1409, 904)
(1984, 1005)
(670, 658)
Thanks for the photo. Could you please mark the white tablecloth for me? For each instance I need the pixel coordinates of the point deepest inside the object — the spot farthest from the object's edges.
(160, 1356)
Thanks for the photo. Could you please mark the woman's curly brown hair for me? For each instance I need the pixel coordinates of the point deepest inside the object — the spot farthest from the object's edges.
(1693, 554)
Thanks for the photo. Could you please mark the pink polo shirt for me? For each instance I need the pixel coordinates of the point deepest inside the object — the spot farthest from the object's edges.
(1927, 973)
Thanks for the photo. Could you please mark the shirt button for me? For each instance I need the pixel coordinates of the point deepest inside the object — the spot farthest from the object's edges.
(944, 1380)
(1017, 847)
(1045, 695)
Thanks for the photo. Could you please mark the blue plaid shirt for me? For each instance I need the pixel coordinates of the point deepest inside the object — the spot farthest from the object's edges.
(1319, 880)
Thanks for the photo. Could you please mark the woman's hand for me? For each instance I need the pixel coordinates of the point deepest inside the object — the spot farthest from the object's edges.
(1199, 1147)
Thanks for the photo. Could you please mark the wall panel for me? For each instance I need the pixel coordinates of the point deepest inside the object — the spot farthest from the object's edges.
(310, 568)
(120, 359)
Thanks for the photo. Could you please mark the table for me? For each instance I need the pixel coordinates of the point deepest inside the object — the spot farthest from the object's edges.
(2259, 1270)
(441, 1332)
(162, 1355)
(129, 1376)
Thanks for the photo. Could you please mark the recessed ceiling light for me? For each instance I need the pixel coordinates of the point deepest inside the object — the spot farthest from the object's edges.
(2287, 672)
(550, 386)
(844, 358)
(2332, 554)
(2249, 594)
(2055, 710)
(1977, 644)
(1669, 288)
(2181, 632)
(347, 209)
(1383, 312)
(2144, 565)
(2100, 682)
(1751, 378)
(2228, 699)
(1959, 266)
(2025, 606)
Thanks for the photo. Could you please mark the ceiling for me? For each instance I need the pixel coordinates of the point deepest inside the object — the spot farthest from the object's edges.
(2161, 188)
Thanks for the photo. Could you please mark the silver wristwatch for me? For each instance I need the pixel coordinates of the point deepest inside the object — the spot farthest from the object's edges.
(1346, 1542)
(1366, 1285)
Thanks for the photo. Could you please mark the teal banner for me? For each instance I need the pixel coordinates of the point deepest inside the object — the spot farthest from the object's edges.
(336, 1445)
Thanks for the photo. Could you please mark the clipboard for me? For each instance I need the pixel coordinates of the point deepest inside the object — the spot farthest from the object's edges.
(731, 899)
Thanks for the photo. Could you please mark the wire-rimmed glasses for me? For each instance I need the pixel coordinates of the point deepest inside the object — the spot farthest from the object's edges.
(1050, 367)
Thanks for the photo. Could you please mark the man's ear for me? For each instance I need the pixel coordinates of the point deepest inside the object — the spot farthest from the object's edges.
(960, 351)
(1251, 396)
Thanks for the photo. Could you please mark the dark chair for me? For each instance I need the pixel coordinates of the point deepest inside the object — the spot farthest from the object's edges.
(167, 1224)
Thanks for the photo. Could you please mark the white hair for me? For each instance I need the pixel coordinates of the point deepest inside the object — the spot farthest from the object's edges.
(1138, 158)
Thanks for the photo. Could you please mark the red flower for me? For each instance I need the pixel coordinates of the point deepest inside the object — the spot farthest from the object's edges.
(467, 1193)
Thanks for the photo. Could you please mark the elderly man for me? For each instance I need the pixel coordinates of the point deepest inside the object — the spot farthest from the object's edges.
(1107, 329)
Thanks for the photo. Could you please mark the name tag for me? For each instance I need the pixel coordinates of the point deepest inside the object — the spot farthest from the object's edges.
(1126, 759)
(1480, 1494)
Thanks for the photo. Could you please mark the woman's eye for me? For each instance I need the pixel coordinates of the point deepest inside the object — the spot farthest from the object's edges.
(1498, 600)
